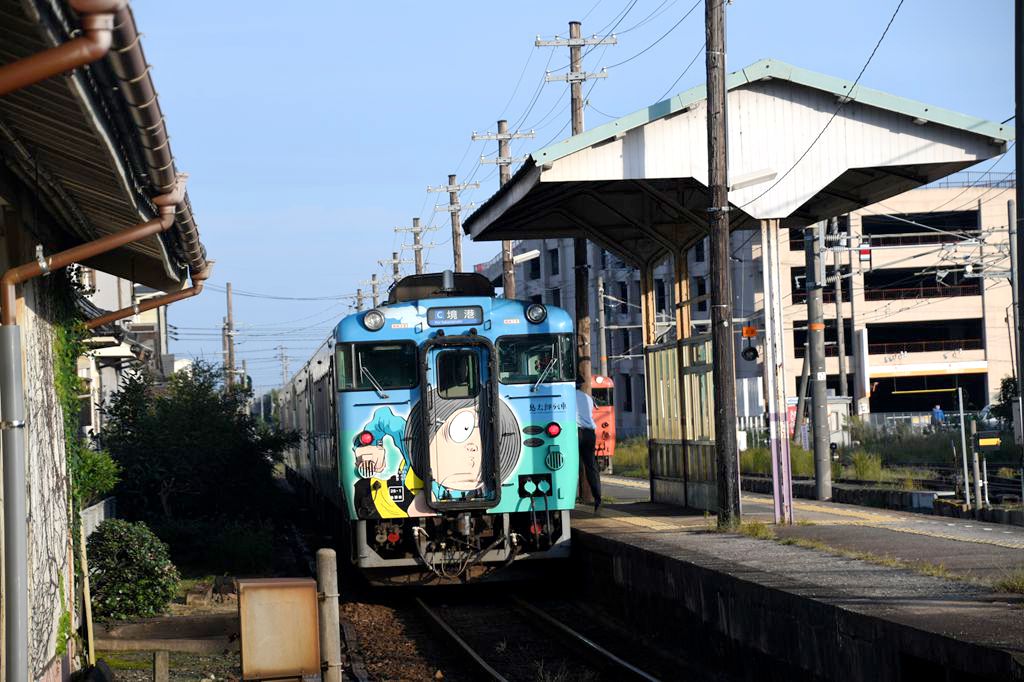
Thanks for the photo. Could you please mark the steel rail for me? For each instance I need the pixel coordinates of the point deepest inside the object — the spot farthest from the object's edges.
(460, 642)
(583, 641)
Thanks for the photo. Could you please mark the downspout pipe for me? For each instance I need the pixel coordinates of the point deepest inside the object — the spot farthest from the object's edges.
(13, 426)
(198, 279)
(97, 17)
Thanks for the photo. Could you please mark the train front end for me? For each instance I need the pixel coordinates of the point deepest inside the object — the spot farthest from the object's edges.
(457, 434)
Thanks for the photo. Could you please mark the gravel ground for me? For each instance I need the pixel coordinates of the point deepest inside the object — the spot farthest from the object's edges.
(137, 666)
(396, 646)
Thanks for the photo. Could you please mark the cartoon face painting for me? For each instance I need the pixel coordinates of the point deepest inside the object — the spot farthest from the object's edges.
(456, 451)
(393, 453)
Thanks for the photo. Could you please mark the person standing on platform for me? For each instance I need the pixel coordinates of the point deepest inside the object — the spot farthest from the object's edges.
(938, 417)
(588, 440)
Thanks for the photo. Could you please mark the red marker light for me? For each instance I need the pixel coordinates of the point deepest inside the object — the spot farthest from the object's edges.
(554, 429)
(536, 529)
(365, 438)
(393, 537)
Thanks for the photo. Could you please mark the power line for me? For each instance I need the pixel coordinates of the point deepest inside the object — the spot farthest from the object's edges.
(663, 36)
(842, 103)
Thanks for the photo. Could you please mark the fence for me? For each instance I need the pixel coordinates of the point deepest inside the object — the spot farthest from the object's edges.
(98, 513)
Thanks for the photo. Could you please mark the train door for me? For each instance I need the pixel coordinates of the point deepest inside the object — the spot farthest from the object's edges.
(458, 430)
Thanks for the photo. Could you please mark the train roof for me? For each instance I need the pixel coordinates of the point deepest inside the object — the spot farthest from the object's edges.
(430, 285)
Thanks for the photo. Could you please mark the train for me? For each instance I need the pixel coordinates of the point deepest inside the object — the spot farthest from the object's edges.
(603, 391)
(438, 431)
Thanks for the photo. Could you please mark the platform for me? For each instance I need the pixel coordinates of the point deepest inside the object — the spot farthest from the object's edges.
(871, 594)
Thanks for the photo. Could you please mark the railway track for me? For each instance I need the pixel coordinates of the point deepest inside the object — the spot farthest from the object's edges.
(513, 640)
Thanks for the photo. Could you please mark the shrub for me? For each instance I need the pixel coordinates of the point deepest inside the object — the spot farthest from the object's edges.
(631, 458)
(759, 461)
(130, 571)
(866, 467)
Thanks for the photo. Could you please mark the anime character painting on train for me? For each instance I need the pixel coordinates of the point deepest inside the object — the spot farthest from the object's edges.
(433, 429)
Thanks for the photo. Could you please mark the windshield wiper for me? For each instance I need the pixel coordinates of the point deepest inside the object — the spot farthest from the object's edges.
(544, 374)
(373, 382)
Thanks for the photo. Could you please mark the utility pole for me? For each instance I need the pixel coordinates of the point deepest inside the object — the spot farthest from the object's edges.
(504, 161)
(581, 280)
(1015, 283)
(813, 240)
(722, 338)
(602, 341)
(395, 263)
(374, 290)
(281, 350)
(230, 333)
(454, 208)
(417, 242)
(853, 314)
(359, 300)
(840, 323)
(1018, 80)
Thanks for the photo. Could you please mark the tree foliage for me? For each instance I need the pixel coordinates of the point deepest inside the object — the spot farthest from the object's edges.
(1003, 407)
(190, 450)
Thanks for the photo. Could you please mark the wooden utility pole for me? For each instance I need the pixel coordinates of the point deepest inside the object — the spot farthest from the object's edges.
(504, 162)
(395, 262)
(417, 245)
(840, 322)
(581, 279)
(454, 208)
(374, 289)
(230, 334)
(359, 300)
(722, 337)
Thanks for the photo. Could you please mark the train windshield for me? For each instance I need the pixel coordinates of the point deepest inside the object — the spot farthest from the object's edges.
(372, 366)
(603, 397)
(543, 358)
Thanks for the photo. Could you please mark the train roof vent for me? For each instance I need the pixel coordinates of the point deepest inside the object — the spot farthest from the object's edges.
(431, 285)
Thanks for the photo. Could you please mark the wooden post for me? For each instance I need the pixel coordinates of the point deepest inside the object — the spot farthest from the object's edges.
(722, 336)
(161, 666)
(682, 293)
(330, 621)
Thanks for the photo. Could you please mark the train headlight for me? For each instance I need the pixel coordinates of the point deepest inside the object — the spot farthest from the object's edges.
(536, 313)
(373, 320)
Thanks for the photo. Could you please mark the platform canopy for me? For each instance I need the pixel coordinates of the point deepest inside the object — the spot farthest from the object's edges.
(803, 147)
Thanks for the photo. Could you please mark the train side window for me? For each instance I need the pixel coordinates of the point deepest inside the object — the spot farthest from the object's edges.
(603, 397)
(388, 365)
(458, 374)
(343, 366)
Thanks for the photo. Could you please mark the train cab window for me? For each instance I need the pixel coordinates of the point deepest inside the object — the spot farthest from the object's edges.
(388, 365)
(603, 397)
(458, 374)
(540, 357)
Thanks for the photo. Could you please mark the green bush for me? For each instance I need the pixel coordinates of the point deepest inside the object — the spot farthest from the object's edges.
(631, 458)
(866, 467)
(130, 571)
(759, 461)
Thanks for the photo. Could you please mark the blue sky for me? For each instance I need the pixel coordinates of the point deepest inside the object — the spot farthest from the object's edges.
(311, 129)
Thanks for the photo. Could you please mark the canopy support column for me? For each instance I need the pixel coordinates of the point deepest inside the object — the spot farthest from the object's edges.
(774, 374)
(682, 295)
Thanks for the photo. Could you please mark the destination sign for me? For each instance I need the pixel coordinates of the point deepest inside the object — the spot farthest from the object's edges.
(453, 317)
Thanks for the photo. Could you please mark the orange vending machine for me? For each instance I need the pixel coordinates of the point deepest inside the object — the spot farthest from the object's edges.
(603, 391)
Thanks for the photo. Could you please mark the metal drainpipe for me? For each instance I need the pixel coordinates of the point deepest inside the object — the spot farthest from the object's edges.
(12, 423)
(197, 286)
(97, 18)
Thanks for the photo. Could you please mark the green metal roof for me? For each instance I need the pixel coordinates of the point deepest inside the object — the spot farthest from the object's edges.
(771, 68)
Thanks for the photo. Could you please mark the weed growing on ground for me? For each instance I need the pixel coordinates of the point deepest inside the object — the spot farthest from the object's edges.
(1011, 582)
(758, 530)
(805, 522)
